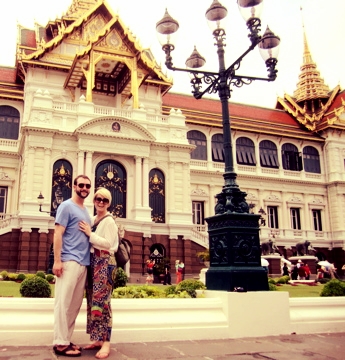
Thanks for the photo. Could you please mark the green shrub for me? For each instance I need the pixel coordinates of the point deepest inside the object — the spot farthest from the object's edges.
(4, 274)
(180, 294)
(272, 287)
(30, 276)
(190, 285)
(121, 278)
(12, 276)
(138, 292)
(170, 290)
(35, 287)
(50, 278)
(21, 277)
(41, 274)
(283, 279)
(271, 281)
(333, 287)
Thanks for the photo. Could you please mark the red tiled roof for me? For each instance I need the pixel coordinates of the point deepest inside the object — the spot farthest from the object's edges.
(8, 74)
(28, 38)
(243, 117)
(337, 101)
(181, 101)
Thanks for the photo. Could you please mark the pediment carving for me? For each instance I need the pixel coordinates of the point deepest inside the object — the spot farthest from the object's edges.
(116, 127)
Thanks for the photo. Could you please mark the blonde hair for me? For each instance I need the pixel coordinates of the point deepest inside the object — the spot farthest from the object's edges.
(105, 193)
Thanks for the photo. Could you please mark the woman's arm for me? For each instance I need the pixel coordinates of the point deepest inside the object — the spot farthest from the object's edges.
(106, 235)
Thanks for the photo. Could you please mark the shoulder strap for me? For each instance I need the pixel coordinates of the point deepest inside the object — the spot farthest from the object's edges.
(97, 222)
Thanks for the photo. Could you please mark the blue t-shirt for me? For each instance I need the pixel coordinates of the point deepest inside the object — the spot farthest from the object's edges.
(75, 244)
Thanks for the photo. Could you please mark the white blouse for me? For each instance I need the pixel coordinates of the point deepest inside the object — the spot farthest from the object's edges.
(106, 236)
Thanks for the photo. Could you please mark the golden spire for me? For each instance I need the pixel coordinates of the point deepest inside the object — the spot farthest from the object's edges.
(79, 7)
(310, 85)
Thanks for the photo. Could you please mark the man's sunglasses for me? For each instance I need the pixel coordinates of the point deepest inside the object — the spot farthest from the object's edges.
(81, 186)
(105, 201)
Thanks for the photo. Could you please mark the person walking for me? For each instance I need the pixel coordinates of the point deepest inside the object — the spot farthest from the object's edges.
(285, 270)
(101, 273)
(149, 269)
(179, 270)
(71, 257)
(167, 275)
(301, 272)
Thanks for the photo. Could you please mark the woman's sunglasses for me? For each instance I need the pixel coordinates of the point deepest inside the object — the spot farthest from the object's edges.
(81, 186)
(104, 201)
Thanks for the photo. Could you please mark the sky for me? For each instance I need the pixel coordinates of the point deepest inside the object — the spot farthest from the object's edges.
(322, 21)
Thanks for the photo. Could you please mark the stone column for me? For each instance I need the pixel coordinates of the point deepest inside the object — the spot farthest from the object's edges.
(186, 193)
(138, 182)
(80, 169)
(145, 182)
(47, 170)
(88, 164)
(30, 167)
(171, 186)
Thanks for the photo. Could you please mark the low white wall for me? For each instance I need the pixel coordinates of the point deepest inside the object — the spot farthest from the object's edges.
(220, 315)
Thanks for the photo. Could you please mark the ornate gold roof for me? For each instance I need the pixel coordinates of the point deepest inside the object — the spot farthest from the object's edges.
(310, 85)
(312, 98)
(102, 52)
(79, 7)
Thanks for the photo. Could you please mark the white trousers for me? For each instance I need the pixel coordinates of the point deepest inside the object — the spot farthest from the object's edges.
(69, 293)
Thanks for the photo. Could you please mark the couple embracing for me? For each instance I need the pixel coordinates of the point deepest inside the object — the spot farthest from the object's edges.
(84, 251)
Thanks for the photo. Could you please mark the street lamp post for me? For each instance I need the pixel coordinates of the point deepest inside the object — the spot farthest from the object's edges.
(233, 232)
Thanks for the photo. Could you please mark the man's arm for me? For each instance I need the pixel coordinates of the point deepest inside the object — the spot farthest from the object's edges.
(57, 267)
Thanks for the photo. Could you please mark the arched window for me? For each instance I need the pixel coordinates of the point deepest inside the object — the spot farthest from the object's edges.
(157, 195)
(291, 158)
(268, 154)
(61, 183)
(112, 175)
(9, 122)
(199, 139)
(311, 160)
(245, 151)
(217, 148)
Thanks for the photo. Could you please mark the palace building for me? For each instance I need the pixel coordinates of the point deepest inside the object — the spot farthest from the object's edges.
(85, 98)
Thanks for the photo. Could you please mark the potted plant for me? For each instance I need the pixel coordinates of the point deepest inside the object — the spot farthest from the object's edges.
(204, 256)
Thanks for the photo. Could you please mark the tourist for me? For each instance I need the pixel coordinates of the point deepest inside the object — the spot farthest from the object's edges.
(285, 270)
(167, 275)
(301, 272)
(101, 274)
(149, 269)
(71, 257)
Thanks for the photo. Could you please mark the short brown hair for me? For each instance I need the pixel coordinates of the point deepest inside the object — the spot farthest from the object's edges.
(75, 182)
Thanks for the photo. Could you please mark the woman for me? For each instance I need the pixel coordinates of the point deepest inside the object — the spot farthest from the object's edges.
(179, 270)
(104, 240)
(149, 264)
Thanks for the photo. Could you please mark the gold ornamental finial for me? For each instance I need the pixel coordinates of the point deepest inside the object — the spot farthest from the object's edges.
(310, 84)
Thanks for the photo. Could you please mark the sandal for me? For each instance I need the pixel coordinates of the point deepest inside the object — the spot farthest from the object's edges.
(92, 347)
(75, 347)
(65, 350)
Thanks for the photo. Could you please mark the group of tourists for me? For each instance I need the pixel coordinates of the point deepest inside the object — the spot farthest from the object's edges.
(150, 267)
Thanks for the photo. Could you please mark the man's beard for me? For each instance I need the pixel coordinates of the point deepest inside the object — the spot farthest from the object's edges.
(83, 195)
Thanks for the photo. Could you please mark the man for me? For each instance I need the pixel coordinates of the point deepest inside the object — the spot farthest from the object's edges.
(167, 276)
(71, 256)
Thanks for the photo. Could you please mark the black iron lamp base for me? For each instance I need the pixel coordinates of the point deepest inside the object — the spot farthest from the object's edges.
(235, 255)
